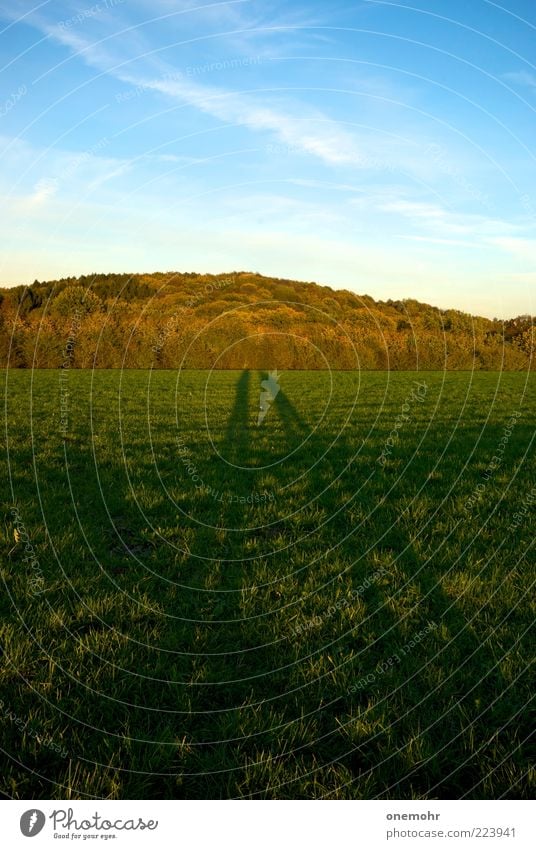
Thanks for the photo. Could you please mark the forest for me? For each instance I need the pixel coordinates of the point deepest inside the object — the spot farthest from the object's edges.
(242, 320)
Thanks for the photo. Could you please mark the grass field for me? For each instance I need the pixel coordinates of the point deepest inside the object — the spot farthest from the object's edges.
(333, 603)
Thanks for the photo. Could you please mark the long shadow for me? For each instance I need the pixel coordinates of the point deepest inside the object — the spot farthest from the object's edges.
(238, 430)
(289, 414)
(240, 652)
(407, 636)
(234, 644)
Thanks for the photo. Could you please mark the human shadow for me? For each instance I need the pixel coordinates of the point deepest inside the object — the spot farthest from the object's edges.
(406, 654)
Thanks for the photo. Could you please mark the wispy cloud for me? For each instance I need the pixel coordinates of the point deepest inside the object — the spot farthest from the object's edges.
(522, 78)
(418, 210)
(312, 133)
(522, 249)
(436, 240)
(291, 122)
(441, 223)
(43, 190)
(45, 174)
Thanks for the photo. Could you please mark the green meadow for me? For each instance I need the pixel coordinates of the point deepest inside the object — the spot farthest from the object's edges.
(330, 601)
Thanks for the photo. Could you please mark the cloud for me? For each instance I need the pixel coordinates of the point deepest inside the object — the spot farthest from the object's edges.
(271, 209)
(441, 222)
(311, 133)
(305, 129)
(43, 190)
(435, 240)
(432, 217)
(47, 173)
(418, 210)
(523, 249)
(523, 78)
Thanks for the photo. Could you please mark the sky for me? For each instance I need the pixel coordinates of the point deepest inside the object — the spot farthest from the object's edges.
(387, 148)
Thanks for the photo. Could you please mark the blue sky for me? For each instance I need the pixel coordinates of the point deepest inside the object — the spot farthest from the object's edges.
(382, 147)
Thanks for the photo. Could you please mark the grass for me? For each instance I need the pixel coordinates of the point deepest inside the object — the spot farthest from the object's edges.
(333, 604)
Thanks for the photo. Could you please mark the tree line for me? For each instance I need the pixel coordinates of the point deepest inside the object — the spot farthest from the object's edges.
(243, 320)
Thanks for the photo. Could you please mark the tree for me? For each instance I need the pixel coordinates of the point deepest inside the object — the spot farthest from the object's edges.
(75, 300)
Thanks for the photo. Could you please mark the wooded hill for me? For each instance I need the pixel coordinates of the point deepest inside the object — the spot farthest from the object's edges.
(243, 320)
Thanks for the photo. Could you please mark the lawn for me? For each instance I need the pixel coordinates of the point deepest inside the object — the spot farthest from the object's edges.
(331, 601)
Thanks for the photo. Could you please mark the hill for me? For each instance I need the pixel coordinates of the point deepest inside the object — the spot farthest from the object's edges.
(243, 320)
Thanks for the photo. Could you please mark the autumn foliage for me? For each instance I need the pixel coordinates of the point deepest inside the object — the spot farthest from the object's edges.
(243, 320)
